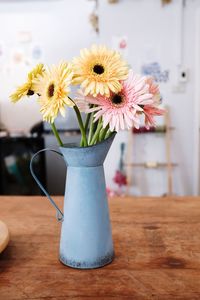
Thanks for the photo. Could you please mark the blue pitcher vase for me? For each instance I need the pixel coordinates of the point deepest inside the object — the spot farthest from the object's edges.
(86, 238)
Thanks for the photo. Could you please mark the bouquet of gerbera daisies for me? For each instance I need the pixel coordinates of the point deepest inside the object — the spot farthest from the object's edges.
(113, 96)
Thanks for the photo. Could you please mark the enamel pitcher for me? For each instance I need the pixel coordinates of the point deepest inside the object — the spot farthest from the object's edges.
(86, 238)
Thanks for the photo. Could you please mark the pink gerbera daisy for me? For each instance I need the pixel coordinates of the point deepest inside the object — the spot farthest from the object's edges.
(154, 90)
(150, 112)
(119, 111)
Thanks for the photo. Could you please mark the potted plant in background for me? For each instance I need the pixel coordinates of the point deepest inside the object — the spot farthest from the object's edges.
(114, 98)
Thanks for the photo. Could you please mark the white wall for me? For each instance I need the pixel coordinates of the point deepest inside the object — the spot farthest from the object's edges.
(153, 33)
(61, 28)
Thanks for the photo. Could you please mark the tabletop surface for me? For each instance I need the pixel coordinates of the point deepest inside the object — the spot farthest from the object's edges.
(157, 247)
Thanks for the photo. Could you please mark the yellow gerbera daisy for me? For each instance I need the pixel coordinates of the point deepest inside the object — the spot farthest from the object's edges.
(53, 89)
(26, 89)
(99, 71)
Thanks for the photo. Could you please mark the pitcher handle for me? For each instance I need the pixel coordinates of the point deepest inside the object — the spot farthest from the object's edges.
(59, 215)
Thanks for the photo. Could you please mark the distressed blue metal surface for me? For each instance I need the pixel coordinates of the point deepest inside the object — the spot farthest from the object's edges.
(91, 156)
(59, 214)
(86, 238)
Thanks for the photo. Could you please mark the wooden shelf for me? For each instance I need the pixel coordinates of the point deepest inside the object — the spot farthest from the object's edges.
(151, 165)
(166, 130)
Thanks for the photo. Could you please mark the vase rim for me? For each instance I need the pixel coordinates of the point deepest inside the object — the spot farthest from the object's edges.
(76, 145)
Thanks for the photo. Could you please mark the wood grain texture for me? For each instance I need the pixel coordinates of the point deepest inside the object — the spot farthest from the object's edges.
(4, 236)
(157, 245)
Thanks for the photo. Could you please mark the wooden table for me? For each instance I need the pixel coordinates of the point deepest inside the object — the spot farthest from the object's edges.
(157, 245)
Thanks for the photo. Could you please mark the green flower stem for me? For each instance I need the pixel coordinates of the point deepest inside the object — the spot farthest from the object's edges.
(53, 127)
(86, 126)
(87, 121)
(96, 135)
(83, 142)
(103, 133)
(91, 128)
(108, 134)
(82, 129)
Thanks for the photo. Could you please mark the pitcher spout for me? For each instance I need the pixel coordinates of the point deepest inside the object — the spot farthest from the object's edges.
(91, 156)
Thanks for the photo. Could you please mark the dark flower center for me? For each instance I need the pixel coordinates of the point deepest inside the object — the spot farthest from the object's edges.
(30, 93)
(98, 69)
(51, 90)
(117, 99)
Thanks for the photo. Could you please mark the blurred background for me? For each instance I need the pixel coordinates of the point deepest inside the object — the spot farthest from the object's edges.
(160, 38)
